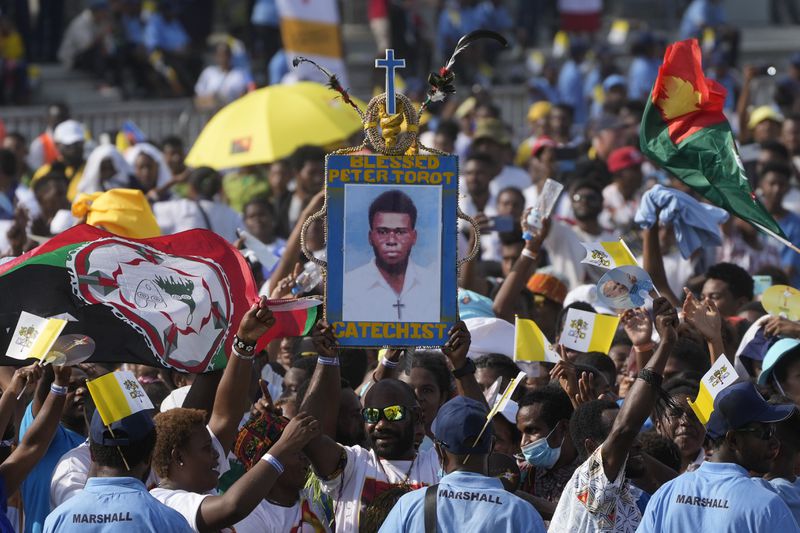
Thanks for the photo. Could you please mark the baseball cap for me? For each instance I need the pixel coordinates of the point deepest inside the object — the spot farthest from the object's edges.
(762, 113)
(740, 404)
(457, 424)
(69, 132)
(625, 157)
(777, 352)
(541, 143)
(794, 59)
(612, 81)
(124, 432)
(491, 128)
(472, 305)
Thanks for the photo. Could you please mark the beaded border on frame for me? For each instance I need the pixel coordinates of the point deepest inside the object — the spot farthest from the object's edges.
(385, 135)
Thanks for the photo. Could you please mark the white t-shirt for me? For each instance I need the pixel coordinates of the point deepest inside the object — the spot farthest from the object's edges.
(174, 216)
(364, 477)
(564, 249)
(305, 516)
(72, 471)
(510, 176)
(188, 503)
(224, 86)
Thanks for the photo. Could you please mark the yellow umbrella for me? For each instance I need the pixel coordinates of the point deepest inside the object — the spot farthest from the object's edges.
(271, 123)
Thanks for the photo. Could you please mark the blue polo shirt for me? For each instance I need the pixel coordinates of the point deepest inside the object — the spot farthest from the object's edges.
(466, 502)
(36, 487)
(115, 504)
(789, 491)
(719, 498)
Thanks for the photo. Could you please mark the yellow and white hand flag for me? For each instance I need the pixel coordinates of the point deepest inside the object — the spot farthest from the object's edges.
(608, 254)
(117, 395)
(502, 402)
(721, 375)
(588, 332)
(530, 344)
(34, 336)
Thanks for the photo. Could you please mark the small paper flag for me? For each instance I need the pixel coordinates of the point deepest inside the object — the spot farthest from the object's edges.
(117, 395)
(608, 254)
(721, 375)
(504, 398)
(588, 332)
(34, 336)
(530, 344)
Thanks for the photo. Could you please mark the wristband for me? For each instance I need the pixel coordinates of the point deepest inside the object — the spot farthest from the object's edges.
(644, 347)
(58, 390)
(241, 355)
(530, 255)
(328, 361)
(651, 378)
(273, 461)
(244, 347)
(389, 364)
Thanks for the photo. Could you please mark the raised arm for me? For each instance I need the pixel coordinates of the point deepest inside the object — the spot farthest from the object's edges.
(37, 439)
(653, 263)
(231, 400)
(25, 376)
(505, 303)
(639, 328)
(292, 251)
(456, 349)
(642, 396)
(218, 512)
(322, 401)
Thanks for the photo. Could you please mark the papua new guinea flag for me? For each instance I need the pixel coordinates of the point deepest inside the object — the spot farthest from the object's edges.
(174, 301)
(683, 130)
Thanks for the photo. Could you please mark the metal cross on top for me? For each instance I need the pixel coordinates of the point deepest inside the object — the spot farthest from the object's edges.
(390, 64)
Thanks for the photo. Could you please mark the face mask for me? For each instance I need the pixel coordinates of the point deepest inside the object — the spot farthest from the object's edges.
(539, 453)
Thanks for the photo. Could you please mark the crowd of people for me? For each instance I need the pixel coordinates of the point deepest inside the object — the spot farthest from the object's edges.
(311, 436)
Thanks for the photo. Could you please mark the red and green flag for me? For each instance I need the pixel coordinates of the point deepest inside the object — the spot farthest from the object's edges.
(173, 301)
(684, 131)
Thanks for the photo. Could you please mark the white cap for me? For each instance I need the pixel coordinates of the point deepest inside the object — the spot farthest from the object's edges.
(490, 335)
(175, 398)
(69, 132)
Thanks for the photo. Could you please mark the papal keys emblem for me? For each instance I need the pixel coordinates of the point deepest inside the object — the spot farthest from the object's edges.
(181, 305)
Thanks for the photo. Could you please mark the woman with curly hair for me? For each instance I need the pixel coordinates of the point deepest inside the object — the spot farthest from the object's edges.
(190, 455)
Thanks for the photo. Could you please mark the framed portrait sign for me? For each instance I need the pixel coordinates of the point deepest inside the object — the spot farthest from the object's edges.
(391, 278)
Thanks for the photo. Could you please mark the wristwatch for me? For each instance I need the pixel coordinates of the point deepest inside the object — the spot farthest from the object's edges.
(468, 368)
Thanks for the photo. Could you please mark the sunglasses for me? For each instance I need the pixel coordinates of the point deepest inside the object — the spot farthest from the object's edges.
(763, 432)
(590, 198)
(392, 413)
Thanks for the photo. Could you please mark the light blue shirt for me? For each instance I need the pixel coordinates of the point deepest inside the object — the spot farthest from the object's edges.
(788, 491)
(642, 76)
(718, 498)
(699, 14)
(466, 502)
(115, 504)
(36, 487)
(570, 90)
(265, 13)
(166, 35)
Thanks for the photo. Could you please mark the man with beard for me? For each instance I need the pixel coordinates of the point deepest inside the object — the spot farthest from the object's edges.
(395, 288)
(720, 496)
(599, 496)
(563, 244)
(70, 434)
(352, 475)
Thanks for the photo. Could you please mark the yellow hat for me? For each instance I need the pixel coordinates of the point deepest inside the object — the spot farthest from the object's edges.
(466, 107)
(538, 110)
(125, 212)
(760, 114)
